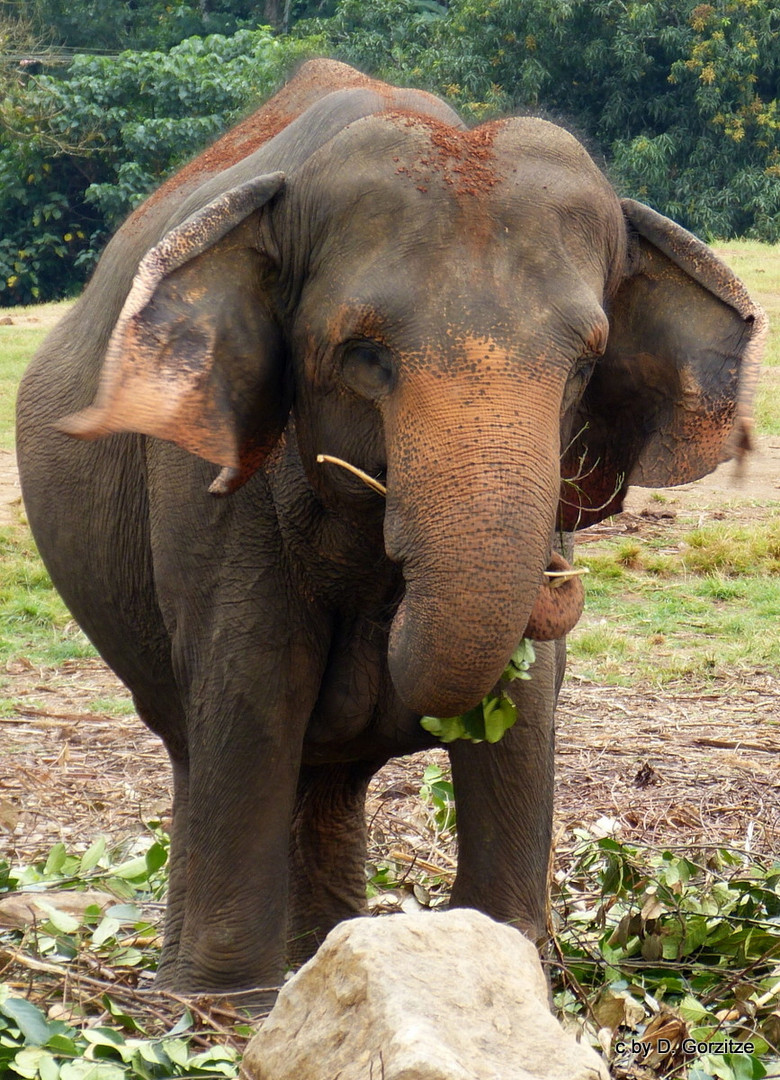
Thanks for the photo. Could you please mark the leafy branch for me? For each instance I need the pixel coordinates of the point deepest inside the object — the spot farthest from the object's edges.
(496, 713)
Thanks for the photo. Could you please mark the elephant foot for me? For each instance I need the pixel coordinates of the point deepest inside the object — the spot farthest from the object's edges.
(255, 1002)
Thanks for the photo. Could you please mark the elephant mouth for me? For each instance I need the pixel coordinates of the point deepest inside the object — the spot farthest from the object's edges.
(375, 478)
(559, 602)
(415, 652)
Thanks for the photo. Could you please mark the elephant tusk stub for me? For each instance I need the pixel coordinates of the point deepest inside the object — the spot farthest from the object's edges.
(372, 483)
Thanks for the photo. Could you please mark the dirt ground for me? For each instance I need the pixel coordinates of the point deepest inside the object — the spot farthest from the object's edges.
(673, 766)
(666, 768)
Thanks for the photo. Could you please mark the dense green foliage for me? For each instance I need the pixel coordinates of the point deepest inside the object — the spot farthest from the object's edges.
(653, 949)
(678, 97)
(120, 937)
(496, 713)
(96, 25)
(78, 153)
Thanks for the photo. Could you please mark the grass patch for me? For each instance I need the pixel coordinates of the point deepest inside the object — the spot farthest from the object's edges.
(767, 406)
(34, 622)
(112, 706)
(16, 349)
(18, 342)
(708, 606)
(733, 550)
(759, 267)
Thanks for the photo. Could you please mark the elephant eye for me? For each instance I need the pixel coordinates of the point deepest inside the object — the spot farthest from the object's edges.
(367, 368)
(578, 380)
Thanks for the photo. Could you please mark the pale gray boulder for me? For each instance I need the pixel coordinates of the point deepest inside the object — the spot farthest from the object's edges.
(430, 996)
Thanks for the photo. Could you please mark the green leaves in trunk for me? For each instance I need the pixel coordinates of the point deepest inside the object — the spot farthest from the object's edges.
(495, 714)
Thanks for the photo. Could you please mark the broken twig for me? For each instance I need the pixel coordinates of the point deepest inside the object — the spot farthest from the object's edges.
(372, 483)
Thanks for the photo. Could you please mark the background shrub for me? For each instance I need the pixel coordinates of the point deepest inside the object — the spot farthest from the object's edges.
(678, 98)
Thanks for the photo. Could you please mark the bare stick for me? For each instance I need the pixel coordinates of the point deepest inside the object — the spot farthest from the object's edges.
(556, 578)
(372, 483)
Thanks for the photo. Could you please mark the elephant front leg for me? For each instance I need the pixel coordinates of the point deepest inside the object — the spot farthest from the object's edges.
(177, 876)
(163, 714)
(227, 919)
(248, 649)
(327, 853)
(241, 791)
(504, 801)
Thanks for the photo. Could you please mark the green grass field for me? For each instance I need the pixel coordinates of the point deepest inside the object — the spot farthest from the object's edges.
(708, 603)
(17, 344)
(759, 267)
(34, 622)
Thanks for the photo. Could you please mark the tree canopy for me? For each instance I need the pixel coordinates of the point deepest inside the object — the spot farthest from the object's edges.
(677, 98)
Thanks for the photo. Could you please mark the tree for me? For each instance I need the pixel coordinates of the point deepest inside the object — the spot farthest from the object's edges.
(99, 26)
(679, 96)
(78, 152)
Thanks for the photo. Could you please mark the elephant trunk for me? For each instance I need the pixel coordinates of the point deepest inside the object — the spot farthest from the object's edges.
(472, 492)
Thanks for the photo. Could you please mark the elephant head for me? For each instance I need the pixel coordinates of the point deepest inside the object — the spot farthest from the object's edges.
(472, 316)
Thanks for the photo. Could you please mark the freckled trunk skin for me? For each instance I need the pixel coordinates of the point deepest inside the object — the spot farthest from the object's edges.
(472, 491)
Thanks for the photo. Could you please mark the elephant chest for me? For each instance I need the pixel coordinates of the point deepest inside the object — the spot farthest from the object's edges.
(358, 714)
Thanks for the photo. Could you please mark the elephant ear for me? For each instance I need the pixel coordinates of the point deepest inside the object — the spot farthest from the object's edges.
(672, 396)
(196, 356)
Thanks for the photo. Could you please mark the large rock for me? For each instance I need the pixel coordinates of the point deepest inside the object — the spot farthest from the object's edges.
(452, 996)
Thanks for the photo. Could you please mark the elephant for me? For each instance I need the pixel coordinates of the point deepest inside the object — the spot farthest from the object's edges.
(473, 318)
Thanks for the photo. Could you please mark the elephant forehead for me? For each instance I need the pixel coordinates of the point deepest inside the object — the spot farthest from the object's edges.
(464, 161)
(402, 167)
(401, 188)
(527, 159)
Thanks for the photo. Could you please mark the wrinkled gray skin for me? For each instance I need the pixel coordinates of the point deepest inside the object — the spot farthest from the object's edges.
(468, 316)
